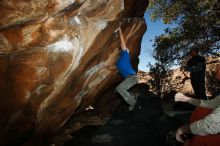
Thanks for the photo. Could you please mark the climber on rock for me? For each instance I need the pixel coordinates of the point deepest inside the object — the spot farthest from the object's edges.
(125, 69)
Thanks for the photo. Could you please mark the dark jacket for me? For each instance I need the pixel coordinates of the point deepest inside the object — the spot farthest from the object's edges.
(196, 66)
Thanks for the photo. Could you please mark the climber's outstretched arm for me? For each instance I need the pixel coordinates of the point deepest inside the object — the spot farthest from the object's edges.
(123, 42)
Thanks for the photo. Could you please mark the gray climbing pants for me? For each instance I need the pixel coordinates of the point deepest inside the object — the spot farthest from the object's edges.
(124, 86)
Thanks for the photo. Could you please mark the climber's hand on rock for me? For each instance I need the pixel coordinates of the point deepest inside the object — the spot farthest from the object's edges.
(118, 29)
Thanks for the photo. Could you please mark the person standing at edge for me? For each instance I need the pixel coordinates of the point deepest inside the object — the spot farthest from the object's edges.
(204, 126)
(125, 69)
(196, 65)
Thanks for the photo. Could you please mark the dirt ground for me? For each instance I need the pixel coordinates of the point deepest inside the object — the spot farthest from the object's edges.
(146, 125)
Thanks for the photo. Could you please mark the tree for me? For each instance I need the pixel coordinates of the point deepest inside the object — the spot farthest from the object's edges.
(160, 72)
(198, 25)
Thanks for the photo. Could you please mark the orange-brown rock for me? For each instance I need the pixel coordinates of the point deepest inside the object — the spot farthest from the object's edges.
(58, 57)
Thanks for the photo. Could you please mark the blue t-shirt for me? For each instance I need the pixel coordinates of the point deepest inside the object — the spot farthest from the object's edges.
(124, 64)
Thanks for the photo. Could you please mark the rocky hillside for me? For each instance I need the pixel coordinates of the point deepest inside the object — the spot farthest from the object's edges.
(179, 80)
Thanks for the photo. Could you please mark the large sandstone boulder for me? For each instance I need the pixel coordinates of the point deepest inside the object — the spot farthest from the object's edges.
(57, 57)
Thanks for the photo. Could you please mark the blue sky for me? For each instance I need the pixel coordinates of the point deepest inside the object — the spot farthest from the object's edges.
(153, 29)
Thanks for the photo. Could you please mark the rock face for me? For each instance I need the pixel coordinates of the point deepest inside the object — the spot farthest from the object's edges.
(57, 57)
